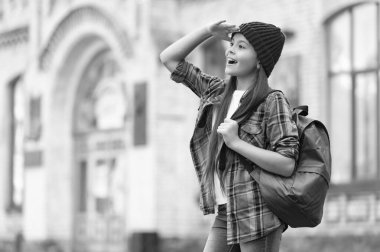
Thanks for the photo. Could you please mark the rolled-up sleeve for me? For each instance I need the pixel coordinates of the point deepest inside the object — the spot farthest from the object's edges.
(281, 130)
(192, 77)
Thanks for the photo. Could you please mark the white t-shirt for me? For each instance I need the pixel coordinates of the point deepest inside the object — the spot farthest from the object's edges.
(220, 197)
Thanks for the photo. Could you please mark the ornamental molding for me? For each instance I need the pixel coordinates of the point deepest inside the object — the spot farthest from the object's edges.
(82, 15)
(14, 37)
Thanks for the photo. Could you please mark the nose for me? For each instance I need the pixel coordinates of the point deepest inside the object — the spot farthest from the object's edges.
(229, 50)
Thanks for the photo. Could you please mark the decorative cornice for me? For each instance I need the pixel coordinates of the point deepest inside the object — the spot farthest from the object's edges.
(88, 14)
(14, 37)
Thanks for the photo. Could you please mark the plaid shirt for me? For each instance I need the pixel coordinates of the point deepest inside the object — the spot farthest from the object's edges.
(270, 127)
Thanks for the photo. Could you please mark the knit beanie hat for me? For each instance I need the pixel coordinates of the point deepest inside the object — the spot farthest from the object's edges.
(267, 40)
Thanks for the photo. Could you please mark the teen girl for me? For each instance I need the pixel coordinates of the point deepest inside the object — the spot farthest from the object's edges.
(239, 128)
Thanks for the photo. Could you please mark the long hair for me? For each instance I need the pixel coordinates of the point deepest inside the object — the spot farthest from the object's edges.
(250, 101)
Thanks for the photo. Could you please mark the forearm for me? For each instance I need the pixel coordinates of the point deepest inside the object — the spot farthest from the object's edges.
(266, 159)
(183, 47)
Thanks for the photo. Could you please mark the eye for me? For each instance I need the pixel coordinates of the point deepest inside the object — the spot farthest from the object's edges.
(241, 46)
(231, 44)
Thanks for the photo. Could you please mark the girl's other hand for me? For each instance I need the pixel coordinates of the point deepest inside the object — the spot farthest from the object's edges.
(222, 30)
(229, 130)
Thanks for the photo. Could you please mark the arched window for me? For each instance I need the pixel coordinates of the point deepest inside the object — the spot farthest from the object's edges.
(353, 76)
(16, 168)
(101, 103)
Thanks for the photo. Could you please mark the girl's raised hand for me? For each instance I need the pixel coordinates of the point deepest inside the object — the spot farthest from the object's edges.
(222, 30)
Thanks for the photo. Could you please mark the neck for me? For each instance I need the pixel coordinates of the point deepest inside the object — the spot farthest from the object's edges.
(245, 82)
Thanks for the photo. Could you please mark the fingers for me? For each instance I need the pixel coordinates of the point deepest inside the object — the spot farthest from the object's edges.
(221, 29)
(226, 124)
(229, 120)
(232, 28)
(220, 22)
(221, 128)
(229, 27)
(228, 32)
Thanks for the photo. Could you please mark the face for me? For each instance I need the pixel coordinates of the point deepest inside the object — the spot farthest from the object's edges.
(241, 57)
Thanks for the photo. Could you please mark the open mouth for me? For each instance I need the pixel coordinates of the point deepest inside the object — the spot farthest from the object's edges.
(231, 61)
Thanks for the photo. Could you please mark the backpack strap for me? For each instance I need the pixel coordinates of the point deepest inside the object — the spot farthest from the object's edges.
(302, 110)
(223, 149)
(271, 91)
(300, 115)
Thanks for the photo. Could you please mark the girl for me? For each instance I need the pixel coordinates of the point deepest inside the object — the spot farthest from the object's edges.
(241, 126)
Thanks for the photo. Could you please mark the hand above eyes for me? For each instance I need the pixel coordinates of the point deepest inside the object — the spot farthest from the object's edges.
(222, 30)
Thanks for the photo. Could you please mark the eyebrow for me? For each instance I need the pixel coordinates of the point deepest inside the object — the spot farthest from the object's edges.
(239, 40)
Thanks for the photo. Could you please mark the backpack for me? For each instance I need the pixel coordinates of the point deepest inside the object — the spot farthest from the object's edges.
(298, 200)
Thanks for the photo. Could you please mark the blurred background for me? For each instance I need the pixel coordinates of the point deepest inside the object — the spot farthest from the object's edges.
(95, 136)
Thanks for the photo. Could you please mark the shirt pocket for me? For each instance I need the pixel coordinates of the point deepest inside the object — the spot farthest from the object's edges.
(252, 132)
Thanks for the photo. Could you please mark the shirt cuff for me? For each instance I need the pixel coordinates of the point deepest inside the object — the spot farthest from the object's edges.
(179, 73)
(288, 152)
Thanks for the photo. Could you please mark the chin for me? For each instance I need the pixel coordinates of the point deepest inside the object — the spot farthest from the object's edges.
(232, 73)
(229, 72)
(238, 72)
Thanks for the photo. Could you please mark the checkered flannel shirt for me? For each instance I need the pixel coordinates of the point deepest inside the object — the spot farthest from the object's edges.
(271, 127)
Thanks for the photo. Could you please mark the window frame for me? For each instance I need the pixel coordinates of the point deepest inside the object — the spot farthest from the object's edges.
(353, 74)
(12, 206)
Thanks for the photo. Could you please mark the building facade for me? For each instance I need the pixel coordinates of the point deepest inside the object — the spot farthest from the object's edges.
(95, 134)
